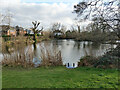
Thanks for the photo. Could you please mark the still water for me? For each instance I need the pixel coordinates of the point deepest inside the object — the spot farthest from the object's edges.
(71, 50)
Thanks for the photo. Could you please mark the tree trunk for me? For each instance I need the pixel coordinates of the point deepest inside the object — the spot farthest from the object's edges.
(34, 38)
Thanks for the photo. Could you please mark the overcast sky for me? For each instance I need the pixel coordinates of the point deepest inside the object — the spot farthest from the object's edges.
(46, 11)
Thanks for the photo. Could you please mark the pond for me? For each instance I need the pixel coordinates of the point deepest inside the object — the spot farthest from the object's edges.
(71, 51)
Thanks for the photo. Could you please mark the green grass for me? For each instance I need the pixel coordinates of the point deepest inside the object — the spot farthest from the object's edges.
(59, 77)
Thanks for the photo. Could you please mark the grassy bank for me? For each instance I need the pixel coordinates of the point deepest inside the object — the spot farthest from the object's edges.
(22, 39)
(59, 77)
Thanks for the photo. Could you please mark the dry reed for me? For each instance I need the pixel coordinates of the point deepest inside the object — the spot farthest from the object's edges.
(24, 58)
(51, 56)
(21, 58)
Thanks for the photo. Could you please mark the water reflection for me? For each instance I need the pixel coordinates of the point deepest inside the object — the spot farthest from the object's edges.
(71, 51)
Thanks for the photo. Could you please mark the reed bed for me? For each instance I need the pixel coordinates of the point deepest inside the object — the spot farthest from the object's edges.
(51, 56)
(20, 58)
(24, 58)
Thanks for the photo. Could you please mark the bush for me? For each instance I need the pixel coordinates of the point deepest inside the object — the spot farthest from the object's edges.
(109, 60)
(6, 36)
(87, 61)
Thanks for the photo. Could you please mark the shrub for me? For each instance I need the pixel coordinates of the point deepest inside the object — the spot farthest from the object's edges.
(87, 61)
(110, 59)
(107, 61)
(6, 36)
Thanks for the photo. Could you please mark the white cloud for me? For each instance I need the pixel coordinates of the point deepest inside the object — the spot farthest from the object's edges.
(24, 13)
(49, 1)
(7, 3)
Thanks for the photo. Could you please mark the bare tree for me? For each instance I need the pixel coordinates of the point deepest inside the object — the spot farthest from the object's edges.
(56, 26)
(9, 17)
(106, 14)
(35, 30)
(77, 23)
(6, 18)
(1, 17)
(18, 30)
(63, 28)
(78, 26)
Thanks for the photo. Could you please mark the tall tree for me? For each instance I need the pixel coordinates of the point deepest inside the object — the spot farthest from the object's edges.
(105, 14)
(35, 30)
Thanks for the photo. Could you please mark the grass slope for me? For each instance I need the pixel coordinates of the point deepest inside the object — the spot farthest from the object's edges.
(59, 77)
